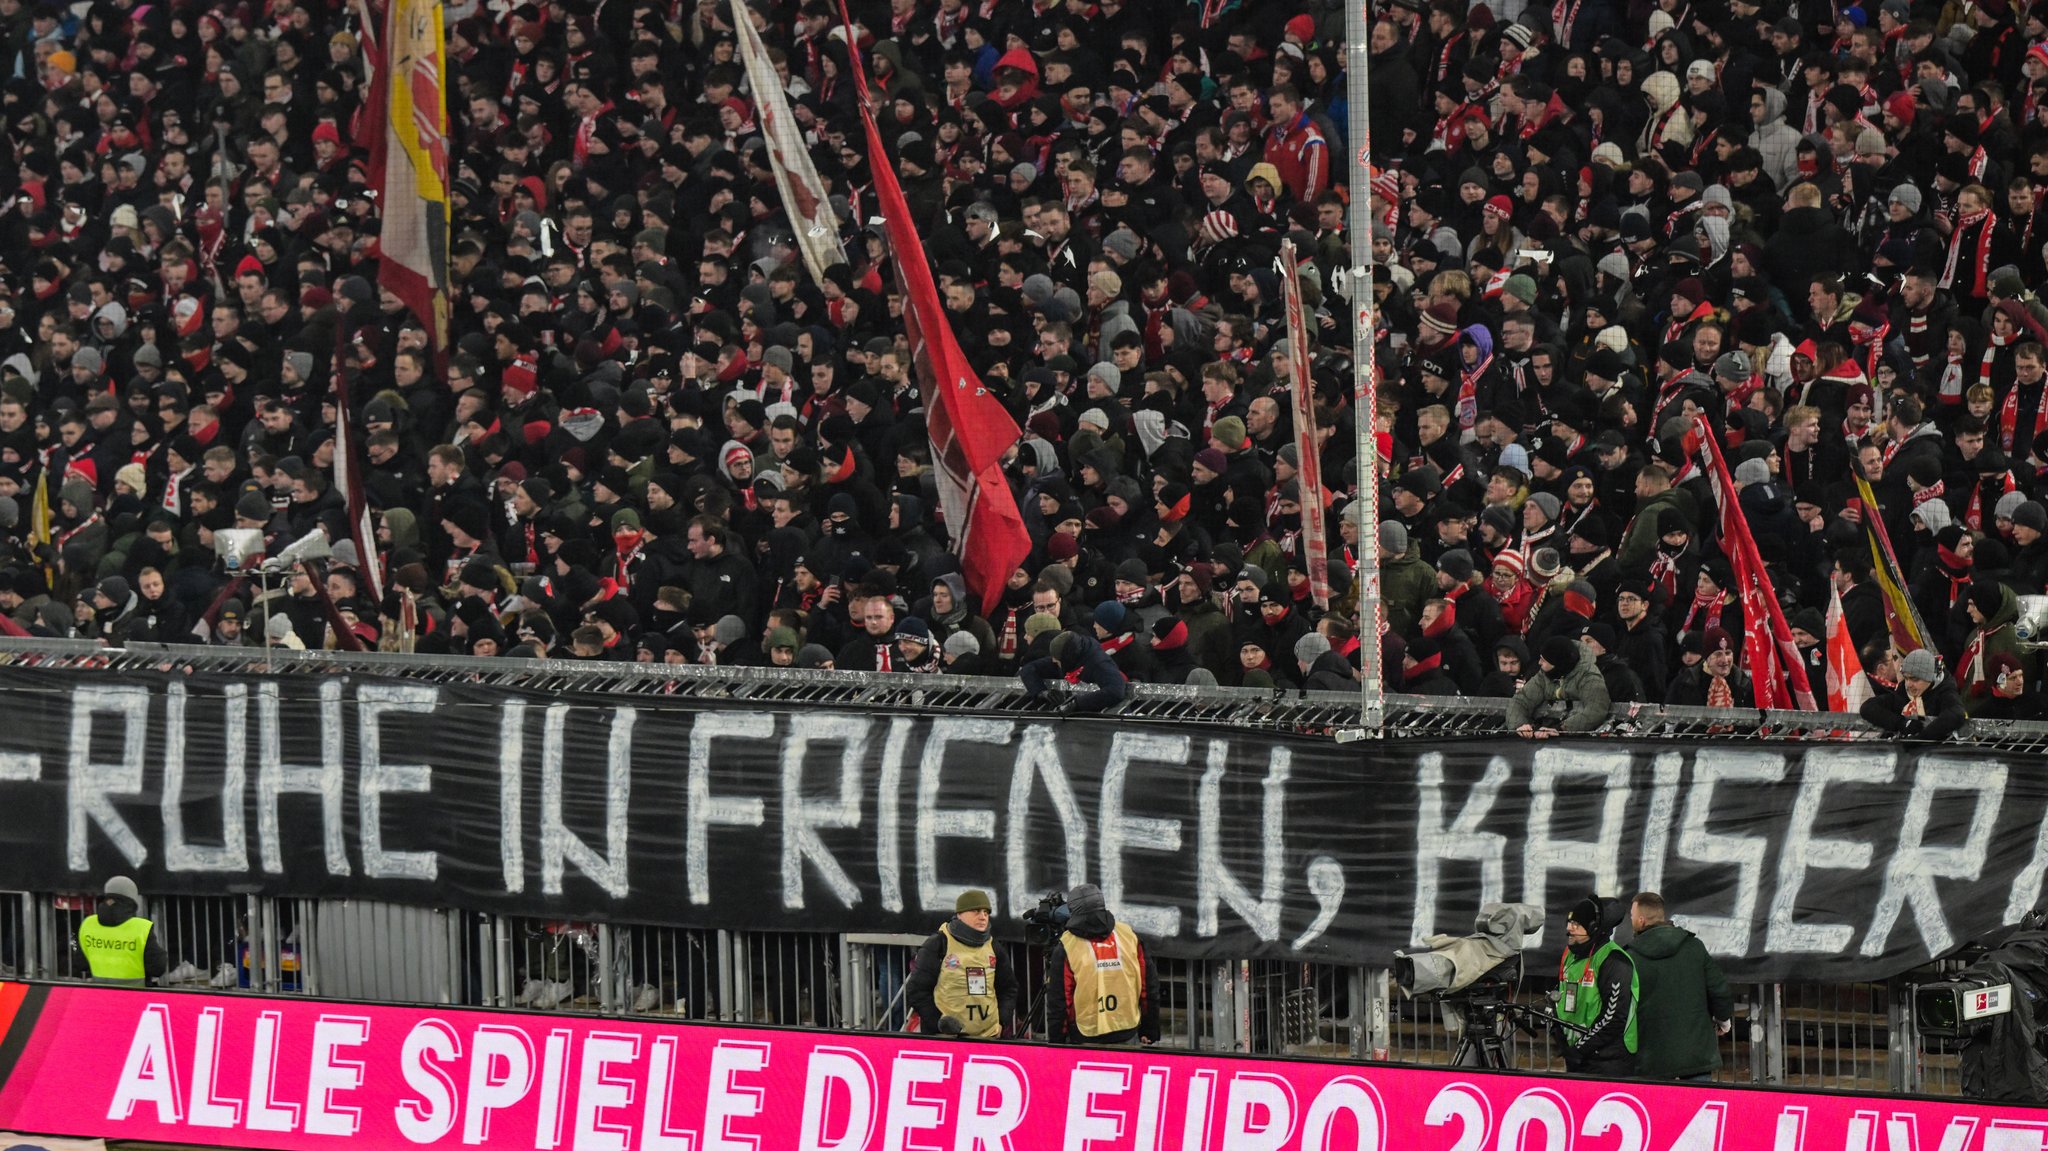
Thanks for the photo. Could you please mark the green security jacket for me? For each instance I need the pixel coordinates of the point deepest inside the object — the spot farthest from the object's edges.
(1683, 993)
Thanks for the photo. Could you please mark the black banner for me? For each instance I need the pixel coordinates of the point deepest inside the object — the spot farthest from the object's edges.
(1792, 861)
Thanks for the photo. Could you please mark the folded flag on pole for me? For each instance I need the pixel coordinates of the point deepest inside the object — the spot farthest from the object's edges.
(796, 178)
(1908, 632)
(1848, 684)
(348, 477)
(969, 427)
(1309, 472)
(1774, 663)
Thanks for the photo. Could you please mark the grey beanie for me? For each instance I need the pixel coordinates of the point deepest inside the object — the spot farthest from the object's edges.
(1908, 195)
(1202, 677)
(729, 630)
(10, 512)
(1311, 646)
(1038, 289)
(1546, 503)
(1124, 243)
(1920, 665)
(1254, 573)
(1393, 538)
(122, 887)
(1752, 472)
(89, 359)
(962, 643)
(302, 363)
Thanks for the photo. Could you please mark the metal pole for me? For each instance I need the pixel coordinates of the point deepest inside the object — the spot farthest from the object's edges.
(1358, 34)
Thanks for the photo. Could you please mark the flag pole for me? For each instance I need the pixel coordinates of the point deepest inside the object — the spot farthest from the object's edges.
(1358, 37)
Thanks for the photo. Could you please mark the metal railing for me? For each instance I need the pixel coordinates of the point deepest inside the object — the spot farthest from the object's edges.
(1855, 1036)
(1262, 709)
(1852, 1036)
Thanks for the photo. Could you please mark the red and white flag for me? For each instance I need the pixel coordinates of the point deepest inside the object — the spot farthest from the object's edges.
(1315, 545)
(1848, 684)
(796, 178)
(348, 477)
(970, 429)
(1774, 663)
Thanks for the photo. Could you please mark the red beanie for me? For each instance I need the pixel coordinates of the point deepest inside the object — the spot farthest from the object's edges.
(521, 377)
(1900, 104)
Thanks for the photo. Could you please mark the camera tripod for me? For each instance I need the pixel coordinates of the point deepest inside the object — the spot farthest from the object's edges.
(1484, 1040)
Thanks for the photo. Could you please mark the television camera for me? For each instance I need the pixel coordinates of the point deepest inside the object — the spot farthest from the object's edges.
(1998, 1007)
(1048, 921)
(1475, 979)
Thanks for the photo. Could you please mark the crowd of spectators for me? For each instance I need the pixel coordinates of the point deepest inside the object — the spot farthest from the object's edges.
(654, 436)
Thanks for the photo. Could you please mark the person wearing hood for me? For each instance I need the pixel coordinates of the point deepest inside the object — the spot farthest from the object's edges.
(959, 983)
(1994, 609)
(1684, 1006)
(1511, 668)
(1567, 677)
(949, 608)
(1775, 139)
(118, 944)
(1597, 992)
(1103, 993)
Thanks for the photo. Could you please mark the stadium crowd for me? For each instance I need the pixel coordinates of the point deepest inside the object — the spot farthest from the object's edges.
(655, 437)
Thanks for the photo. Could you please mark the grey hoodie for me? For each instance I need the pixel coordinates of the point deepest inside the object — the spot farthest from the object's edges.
(1777, 142)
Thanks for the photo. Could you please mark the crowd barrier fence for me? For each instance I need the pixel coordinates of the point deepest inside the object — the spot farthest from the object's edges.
(1854, 1036)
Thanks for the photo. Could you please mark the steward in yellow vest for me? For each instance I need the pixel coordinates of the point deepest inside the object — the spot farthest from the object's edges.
(959, 983)
(117, 943)
(1102, 992)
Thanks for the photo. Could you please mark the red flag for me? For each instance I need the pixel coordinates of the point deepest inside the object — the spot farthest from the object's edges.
(1848, 685)
(1309, 470)
(1773, 657)
(970, 429)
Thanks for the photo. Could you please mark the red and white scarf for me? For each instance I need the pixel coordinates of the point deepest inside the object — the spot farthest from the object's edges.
(1981, 220)
(2009, 416)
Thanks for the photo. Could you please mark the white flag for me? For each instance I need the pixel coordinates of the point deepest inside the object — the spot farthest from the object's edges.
(803, 194)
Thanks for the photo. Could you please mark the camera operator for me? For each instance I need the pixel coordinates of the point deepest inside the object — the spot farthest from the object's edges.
(957, 984)
(1597, 992)
(1102, 994)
